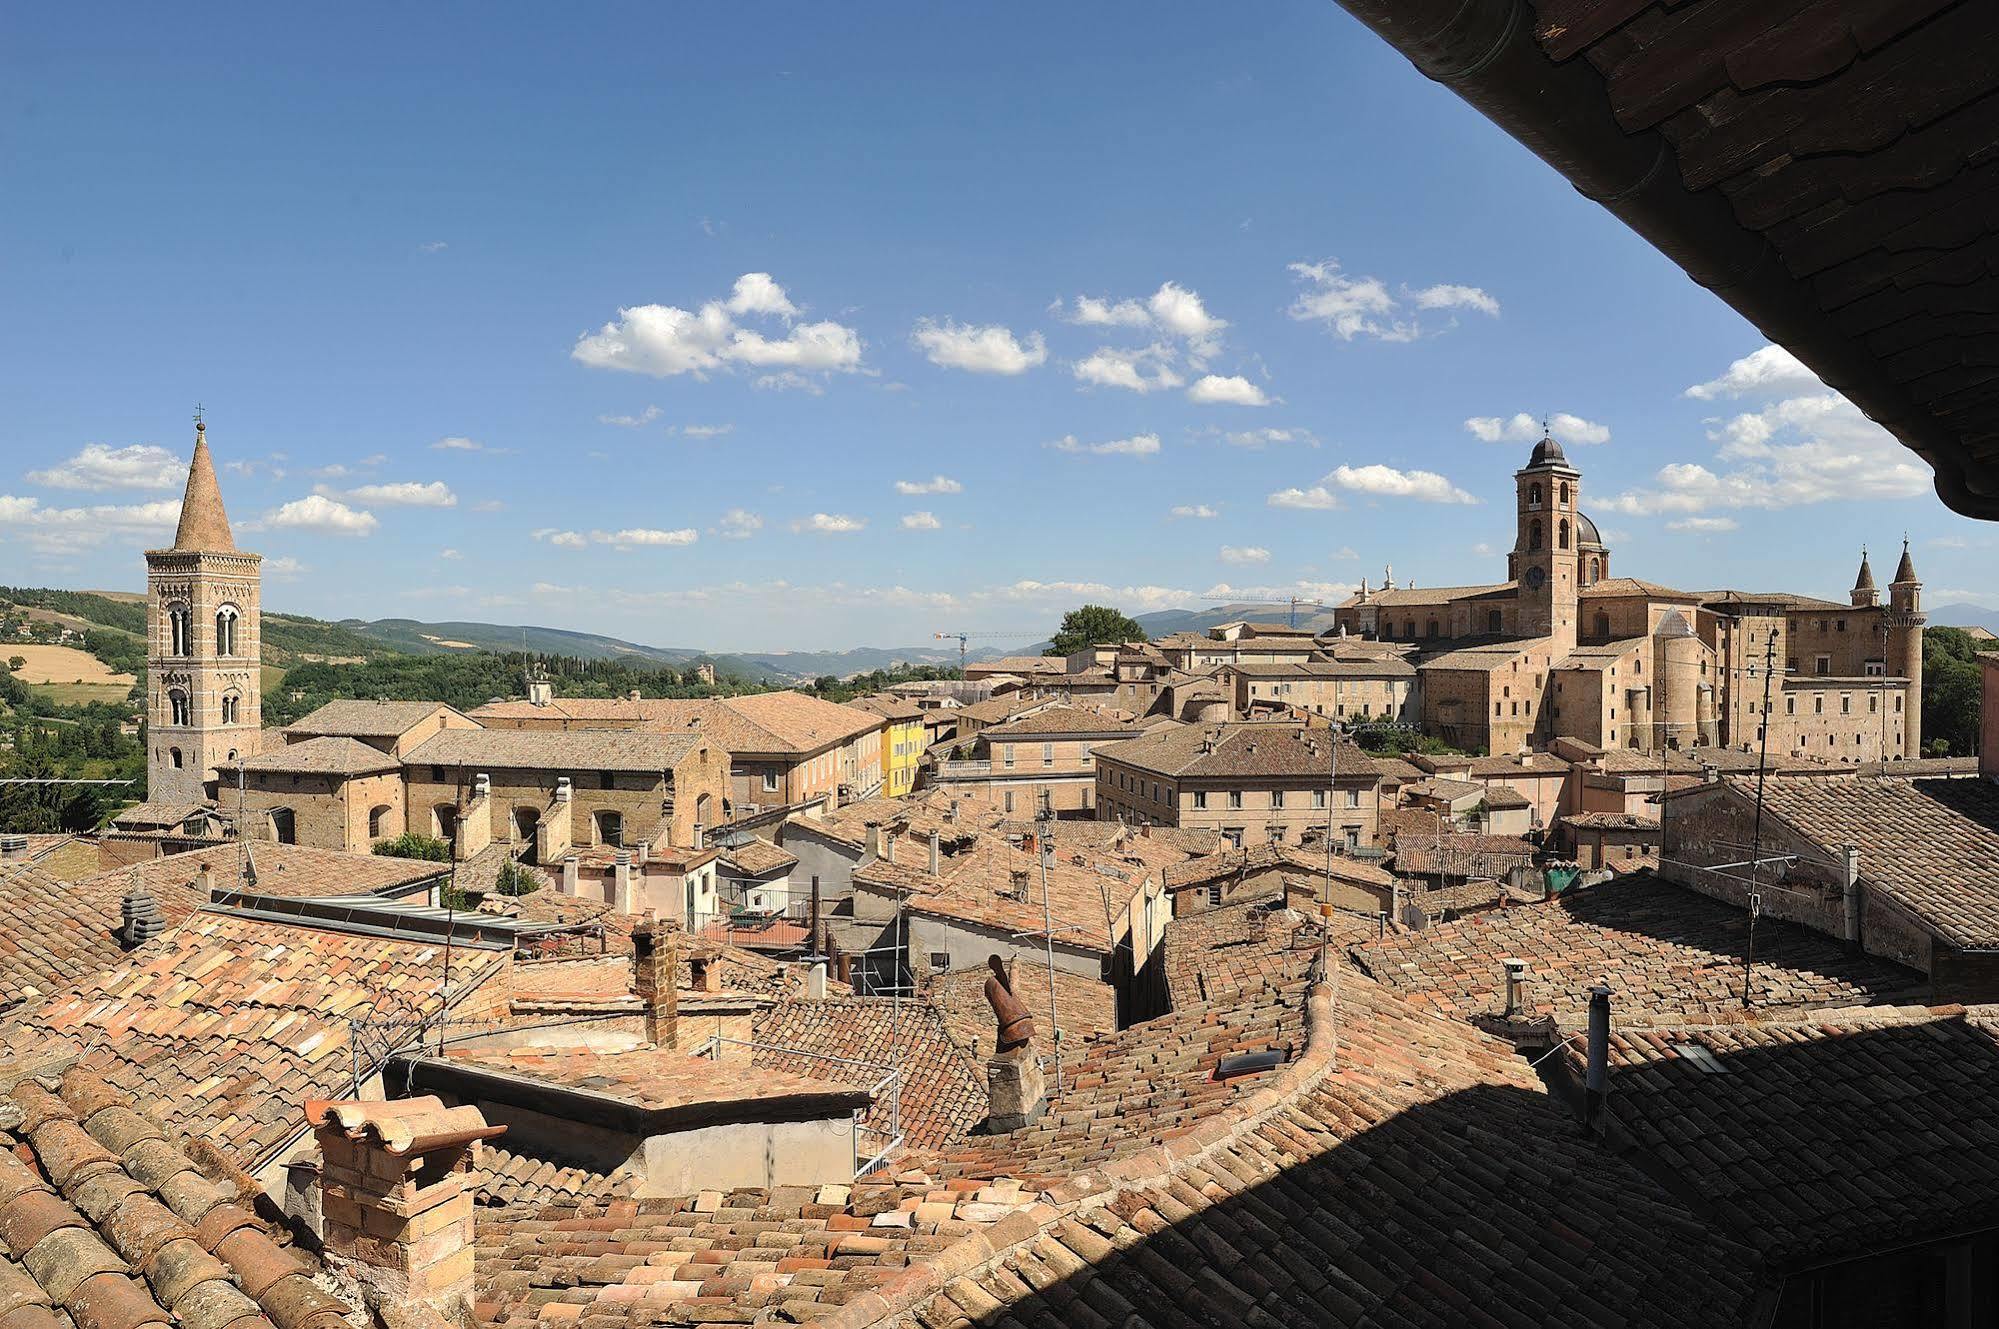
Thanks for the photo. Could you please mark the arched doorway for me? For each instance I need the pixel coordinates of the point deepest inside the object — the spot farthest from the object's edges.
(525, 822)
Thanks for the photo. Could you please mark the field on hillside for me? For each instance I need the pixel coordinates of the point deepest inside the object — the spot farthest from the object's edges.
(82, 694)
(62, 664)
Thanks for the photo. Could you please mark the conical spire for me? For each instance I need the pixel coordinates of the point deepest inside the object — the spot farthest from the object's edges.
(1865, 581)
(203, 523)
(1905, 571)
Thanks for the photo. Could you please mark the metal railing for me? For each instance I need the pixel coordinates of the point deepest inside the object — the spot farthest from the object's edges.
(790, 923)
(884, 1092)
(966, 770)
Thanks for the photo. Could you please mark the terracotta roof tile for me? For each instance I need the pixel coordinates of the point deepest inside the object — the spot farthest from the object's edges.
(1664, 950)
(366, 719)
(1249, 749)
(319, 756)
(943, 1091)
(1084, 1007)
(573, 750)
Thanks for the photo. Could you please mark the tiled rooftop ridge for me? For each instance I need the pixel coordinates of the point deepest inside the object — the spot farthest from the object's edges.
(103, 1217)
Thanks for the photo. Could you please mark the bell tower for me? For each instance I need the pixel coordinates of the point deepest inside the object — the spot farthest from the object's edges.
(203, 693)
(1544, 558)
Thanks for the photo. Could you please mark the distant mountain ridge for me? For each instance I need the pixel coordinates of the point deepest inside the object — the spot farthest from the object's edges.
(1961, 615)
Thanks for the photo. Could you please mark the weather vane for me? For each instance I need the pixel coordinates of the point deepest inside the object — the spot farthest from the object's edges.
(197, 413)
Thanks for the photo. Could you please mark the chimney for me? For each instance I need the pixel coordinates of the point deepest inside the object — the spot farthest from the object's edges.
(1852, 898)
(656, 980)
(875, 841)
(704, 970)
(13, 848)
(700, 836)
(936, 857)
(1516, 976)
(1015, 1091)
(633, 695)
(815, 980)
(140, 917)
(950, 814)
(540, 692)
(396, 1192)
(570, 874)
(204, 883)
(888, 846)
(1596, 1067)
(1526, 757)
(621, 881)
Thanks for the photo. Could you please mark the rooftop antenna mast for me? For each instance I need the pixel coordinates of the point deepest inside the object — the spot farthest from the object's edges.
(1044, 826)
(1756, 840)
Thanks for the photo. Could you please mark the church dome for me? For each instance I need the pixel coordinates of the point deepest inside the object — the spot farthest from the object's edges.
(1586, 536)
(1548, 453)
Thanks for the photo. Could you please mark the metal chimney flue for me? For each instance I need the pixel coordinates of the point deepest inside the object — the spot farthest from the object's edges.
(1516, 980)
(1596, 1065)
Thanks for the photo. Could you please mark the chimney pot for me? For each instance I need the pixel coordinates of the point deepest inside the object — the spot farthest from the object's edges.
(1516, 975)
(815, 980)
(936, 857)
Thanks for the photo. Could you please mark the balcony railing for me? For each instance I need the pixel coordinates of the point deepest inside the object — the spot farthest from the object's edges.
(964, 770)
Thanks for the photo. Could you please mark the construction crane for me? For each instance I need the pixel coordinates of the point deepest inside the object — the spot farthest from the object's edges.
(962, 637)
(1293, 603)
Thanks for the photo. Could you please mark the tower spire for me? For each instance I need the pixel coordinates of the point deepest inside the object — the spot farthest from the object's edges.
(203, 523)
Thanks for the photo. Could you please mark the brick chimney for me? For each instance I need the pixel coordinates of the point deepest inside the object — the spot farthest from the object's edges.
(704, 969)
(656, 978)
(396, 1196)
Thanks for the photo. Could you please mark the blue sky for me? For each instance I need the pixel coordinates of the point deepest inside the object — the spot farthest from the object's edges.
(642, 320)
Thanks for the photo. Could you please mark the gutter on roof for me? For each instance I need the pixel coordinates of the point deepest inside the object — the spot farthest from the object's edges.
(1485, 52)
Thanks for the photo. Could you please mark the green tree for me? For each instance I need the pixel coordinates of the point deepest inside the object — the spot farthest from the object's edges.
(411, 845)
(1952, 691)
(16, 662)
(1093, 625)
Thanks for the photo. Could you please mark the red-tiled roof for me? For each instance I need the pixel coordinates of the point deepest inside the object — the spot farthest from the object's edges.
(1084, 1007)
(1821, 1138)
(943, 1092)
(225, 1025)
(1665, 951)
(106, 1222)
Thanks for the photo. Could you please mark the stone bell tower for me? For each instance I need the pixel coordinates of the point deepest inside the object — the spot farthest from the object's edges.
(1544, 558)
(203, 694)
(1904, 621)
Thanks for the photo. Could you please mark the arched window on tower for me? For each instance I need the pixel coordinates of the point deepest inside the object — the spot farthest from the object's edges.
(1533, 535)
(1534, 496)
(232, 708)
(1595, 571)
(178, 712)
(178, 622)
(173, 757)
(1565, 493)
(225, 630)
(1562, 533)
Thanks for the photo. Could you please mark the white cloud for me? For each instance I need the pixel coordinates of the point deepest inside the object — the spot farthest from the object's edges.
(829, 523)
(1327, 592)
(1138, 445)
(665, 340)
(285, 569)
(1095, 313)
(1524, 428)
(96, 467)
(1388, 482)
(489, 505)
(433, 247)
(1233, 390)
(1261, 438)
(756, 293)
(1793, 452)
(1353, 307)
(1316, 499)
(1702, 525)
(450, 554)
(1449, 296)
(1070, 592)
(645, 417)
(1146, 369)
(55, 531)
(739, 524)
(1244, 554)
(936, 484)
(1344, 553)
(921, 521)
(1984, 597)
(1197, 511)
(1172, 309)
(1769, 371)
(980, 350)
(567, 540)
(401, 494)
(459, 444)
(706, 431)
(322, 515)
(641, 537)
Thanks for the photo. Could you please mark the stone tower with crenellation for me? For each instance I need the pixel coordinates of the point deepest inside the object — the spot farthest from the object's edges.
(203, 694)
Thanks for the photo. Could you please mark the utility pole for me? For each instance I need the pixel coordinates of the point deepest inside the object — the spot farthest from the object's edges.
(1756, 840)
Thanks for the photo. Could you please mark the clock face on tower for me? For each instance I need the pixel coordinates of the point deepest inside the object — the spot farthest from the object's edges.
(1535, 578)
